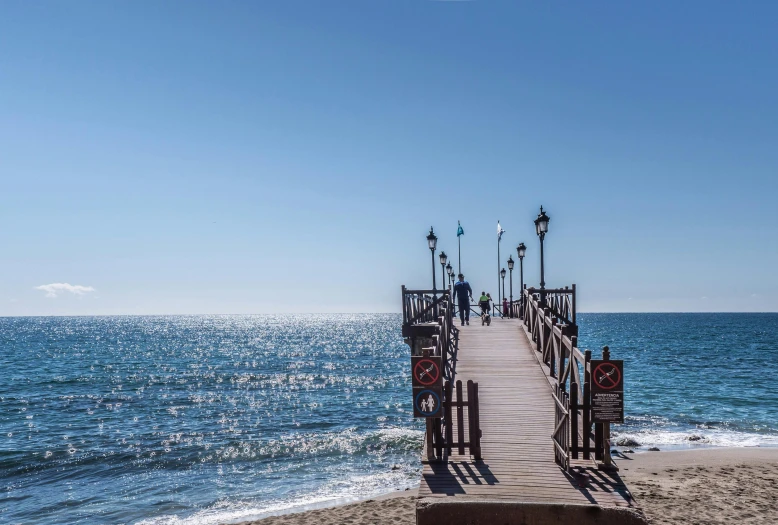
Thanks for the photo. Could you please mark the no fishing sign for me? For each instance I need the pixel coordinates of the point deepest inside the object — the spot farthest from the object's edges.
(607, 391)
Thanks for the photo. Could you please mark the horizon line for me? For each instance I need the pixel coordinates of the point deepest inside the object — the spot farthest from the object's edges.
(357, 313)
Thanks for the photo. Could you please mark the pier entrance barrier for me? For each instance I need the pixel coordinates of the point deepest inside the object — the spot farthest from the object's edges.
(456, 433)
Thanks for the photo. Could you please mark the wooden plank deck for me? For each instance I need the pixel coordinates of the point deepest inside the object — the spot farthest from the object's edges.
(517, 420)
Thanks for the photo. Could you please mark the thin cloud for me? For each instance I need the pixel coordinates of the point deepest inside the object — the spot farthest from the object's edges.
(55, 289)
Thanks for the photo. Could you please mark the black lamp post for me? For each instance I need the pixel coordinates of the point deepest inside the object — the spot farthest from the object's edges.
(502, 274)
(443, 257)
(510, 269)
(432, 241)
(521, 249)
(541, 228)
(450, 270)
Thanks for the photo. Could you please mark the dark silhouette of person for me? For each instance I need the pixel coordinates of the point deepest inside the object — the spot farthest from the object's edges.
(463, 294)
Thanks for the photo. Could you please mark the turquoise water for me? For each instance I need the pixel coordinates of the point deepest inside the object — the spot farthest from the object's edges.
(208, 419)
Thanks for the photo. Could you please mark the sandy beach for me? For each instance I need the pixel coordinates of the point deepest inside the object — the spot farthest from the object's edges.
(706, 486)
(702, 487)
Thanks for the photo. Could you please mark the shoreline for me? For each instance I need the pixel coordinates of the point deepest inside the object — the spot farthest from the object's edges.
(714, 485)
(344, 512)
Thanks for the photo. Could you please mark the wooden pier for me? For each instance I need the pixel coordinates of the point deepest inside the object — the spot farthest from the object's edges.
(531, 456)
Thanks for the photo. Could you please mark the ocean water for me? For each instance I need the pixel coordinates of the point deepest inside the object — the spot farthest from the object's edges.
(213, 419)
(199, 419)
(693, 378)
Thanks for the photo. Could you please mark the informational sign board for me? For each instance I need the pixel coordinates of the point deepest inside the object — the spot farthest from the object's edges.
(607, 391)
(426, 371)
(428, 401)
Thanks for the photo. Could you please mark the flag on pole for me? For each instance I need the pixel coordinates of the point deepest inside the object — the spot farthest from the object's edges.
(500, 231)
(460, 231)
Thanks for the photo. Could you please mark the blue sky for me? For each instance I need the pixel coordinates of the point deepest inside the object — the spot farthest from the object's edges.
(253, 157)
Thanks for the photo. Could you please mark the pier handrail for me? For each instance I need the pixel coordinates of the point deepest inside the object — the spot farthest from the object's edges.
(552, 328)
(422, 306)
(432, 312)
(516, 308)
(561, 301)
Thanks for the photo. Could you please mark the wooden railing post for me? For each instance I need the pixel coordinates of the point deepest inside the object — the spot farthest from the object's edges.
(598, 441)
(605, 438)
(430, 440)
(438, 437)
(587, 405)
(405, 310)
(573, 319)
(474, 420)
(574, 420)
(573, 366)
(447, 415)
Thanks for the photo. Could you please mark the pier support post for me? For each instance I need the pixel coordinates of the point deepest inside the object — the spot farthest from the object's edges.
(607, 459)
(430, 442)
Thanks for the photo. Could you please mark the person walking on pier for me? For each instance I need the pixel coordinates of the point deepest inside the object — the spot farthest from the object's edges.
(462, 295)
(483, 302)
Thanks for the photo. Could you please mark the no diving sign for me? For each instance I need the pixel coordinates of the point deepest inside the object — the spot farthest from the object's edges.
(607, 391)
(426, 371)
(606, 375)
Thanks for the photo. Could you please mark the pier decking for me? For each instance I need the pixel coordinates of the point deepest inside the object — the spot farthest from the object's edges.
(521, 477)
(516, 409)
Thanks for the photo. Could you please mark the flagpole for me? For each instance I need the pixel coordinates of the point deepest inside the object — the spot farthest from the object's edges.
(460, 233)
(498, 263)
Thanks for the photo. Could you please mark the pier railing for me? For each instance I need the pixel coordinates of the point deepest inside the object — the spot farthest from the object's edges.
(423, 306)
(560, 302)
(516, 309)
(456, 432)
(553, 329)
(428, 328)
(454, 421)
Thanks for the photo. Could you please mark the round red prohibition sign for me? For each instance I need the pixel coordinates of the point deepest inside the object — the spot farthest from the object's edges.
(607, 376)
(426, 372)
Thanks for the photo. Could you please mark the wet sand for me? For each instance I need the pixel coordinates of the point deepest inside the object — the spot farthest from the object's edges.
(396, 508)
(695, 487)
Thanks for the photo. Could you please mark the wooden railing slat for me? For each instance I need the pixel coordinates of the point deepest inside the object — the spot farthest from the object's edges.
(449, 430)
(460, 420)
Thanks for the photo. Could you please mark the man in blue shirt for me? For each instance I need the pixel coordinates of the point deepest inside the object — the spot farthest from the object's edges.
(462, 295)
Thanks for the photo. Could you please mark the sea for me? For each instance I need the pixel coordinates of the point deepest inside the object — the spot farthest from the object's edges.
(219, 419)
